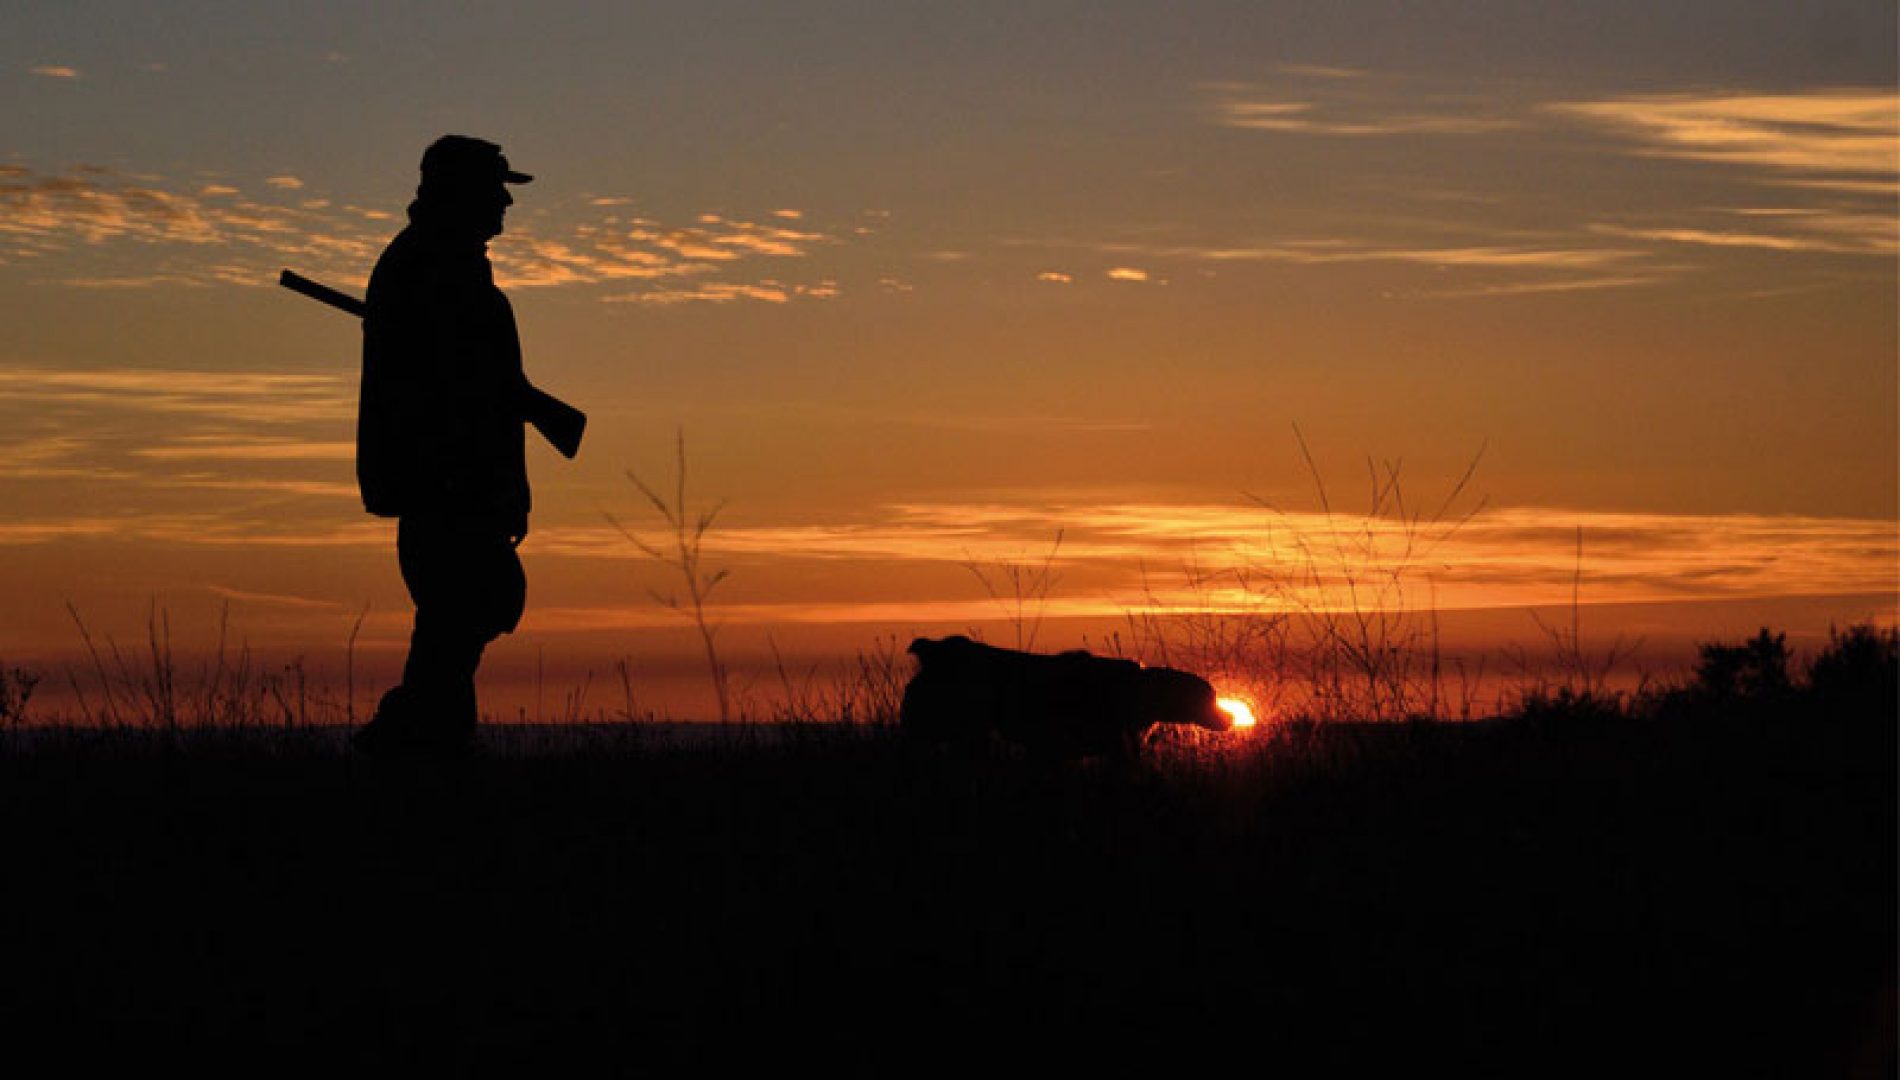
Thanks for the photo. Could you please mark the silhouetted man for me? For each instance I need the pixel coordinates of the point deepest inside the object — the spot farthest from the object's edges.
(439, 442)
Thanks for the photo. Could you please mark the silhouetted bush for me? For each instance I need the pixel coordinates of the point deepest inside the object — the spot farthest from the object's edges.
(1754, 671)
(1566, 705)
(1857, 674)
(16, 689)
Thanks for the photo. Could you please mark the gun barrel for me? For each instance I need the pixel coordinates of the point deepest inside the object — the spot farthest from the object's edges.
(323, 294)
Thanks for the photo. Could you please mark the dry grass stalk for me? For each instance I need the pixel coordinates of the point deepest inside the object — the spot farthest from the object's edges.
(685, 554)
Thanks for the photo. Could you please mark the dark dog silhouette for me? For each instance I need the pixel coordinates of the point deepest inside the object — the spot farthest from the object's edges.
(1066, 705)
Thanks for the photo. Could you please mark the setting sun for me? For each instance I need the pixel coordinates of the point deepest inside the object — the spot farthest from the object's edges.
(1238, 709)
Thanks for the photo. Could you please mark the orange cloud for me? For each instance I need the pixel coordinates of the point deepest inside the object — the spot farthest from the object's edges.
(1320, 252)
(137, 440)
(1532, 288)
(1848, 131)
(1321, 71)
(1504, 557)
(195, 530)
(219, 448)
(256, 397)
(1802, 230)
(212, 235)
(245, 396)
(713, 292)
(1840, 145)
(1313, 99)
(1296, 117)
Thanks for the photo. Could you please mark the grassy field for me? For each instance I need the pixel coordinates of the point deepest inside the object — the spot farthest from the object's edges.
(1705, 886)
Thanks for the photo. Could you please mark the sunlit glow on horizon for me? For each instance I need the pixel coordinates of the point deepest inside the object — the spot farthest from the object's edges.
(1237, 708)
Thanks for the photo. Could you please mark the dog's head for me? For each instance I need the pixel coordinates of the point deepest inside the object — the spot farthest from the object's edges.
(1169, 696)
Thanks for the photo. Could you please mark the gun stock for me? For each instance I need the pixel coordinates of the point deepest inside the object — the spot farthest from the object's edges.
(561, 424)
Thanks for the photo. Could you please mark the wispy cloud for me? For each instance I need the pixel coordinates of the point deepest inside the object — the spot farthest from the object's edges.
(98, 228)
(712, 292)
(1343, 250)
(140, 441)
(1832, 156)
(75, 224)
(1879, 189)
(250, 397)
(531, 262)
(1346, 102)
(723, 292)
(1120, 554)
(1851, 132)
(1799, 230)
(1321, 71)
(39, 456)
(54, 71)
(45, 211)
(1490, 258)
(1834, 153)
(614, 250)
(1306, 117)
(203, 530)
(1533, 288)
(1126, 553)
(719, 239)
(218, 448)
(264, 485)
(1486, 270)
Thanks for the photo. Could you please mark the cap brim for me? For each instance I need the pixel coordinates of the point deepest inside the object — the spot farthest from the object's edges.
(510, 176)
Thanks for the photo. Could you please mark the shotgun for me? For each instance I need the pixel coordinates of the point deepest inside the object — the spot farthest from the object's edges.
(561, 424)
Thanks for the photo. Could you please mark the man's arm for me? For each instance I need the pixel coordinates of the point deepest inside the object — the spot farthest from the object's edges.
(561, 424)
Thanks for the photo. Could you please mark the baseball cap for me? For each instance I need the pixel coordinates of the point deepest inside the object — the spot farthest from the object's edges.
(459, 159)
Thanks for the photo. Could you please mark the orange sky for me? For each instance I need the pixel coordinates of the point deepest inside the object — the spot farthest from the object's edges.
(924, 288)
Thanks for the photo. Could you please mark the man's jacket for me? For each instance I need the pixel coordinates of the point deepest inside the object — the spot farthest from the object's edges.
(439, 422)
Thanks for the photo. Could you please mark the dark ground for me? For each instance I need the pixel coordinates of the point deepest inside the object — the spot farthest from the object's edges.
(1528, 898)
